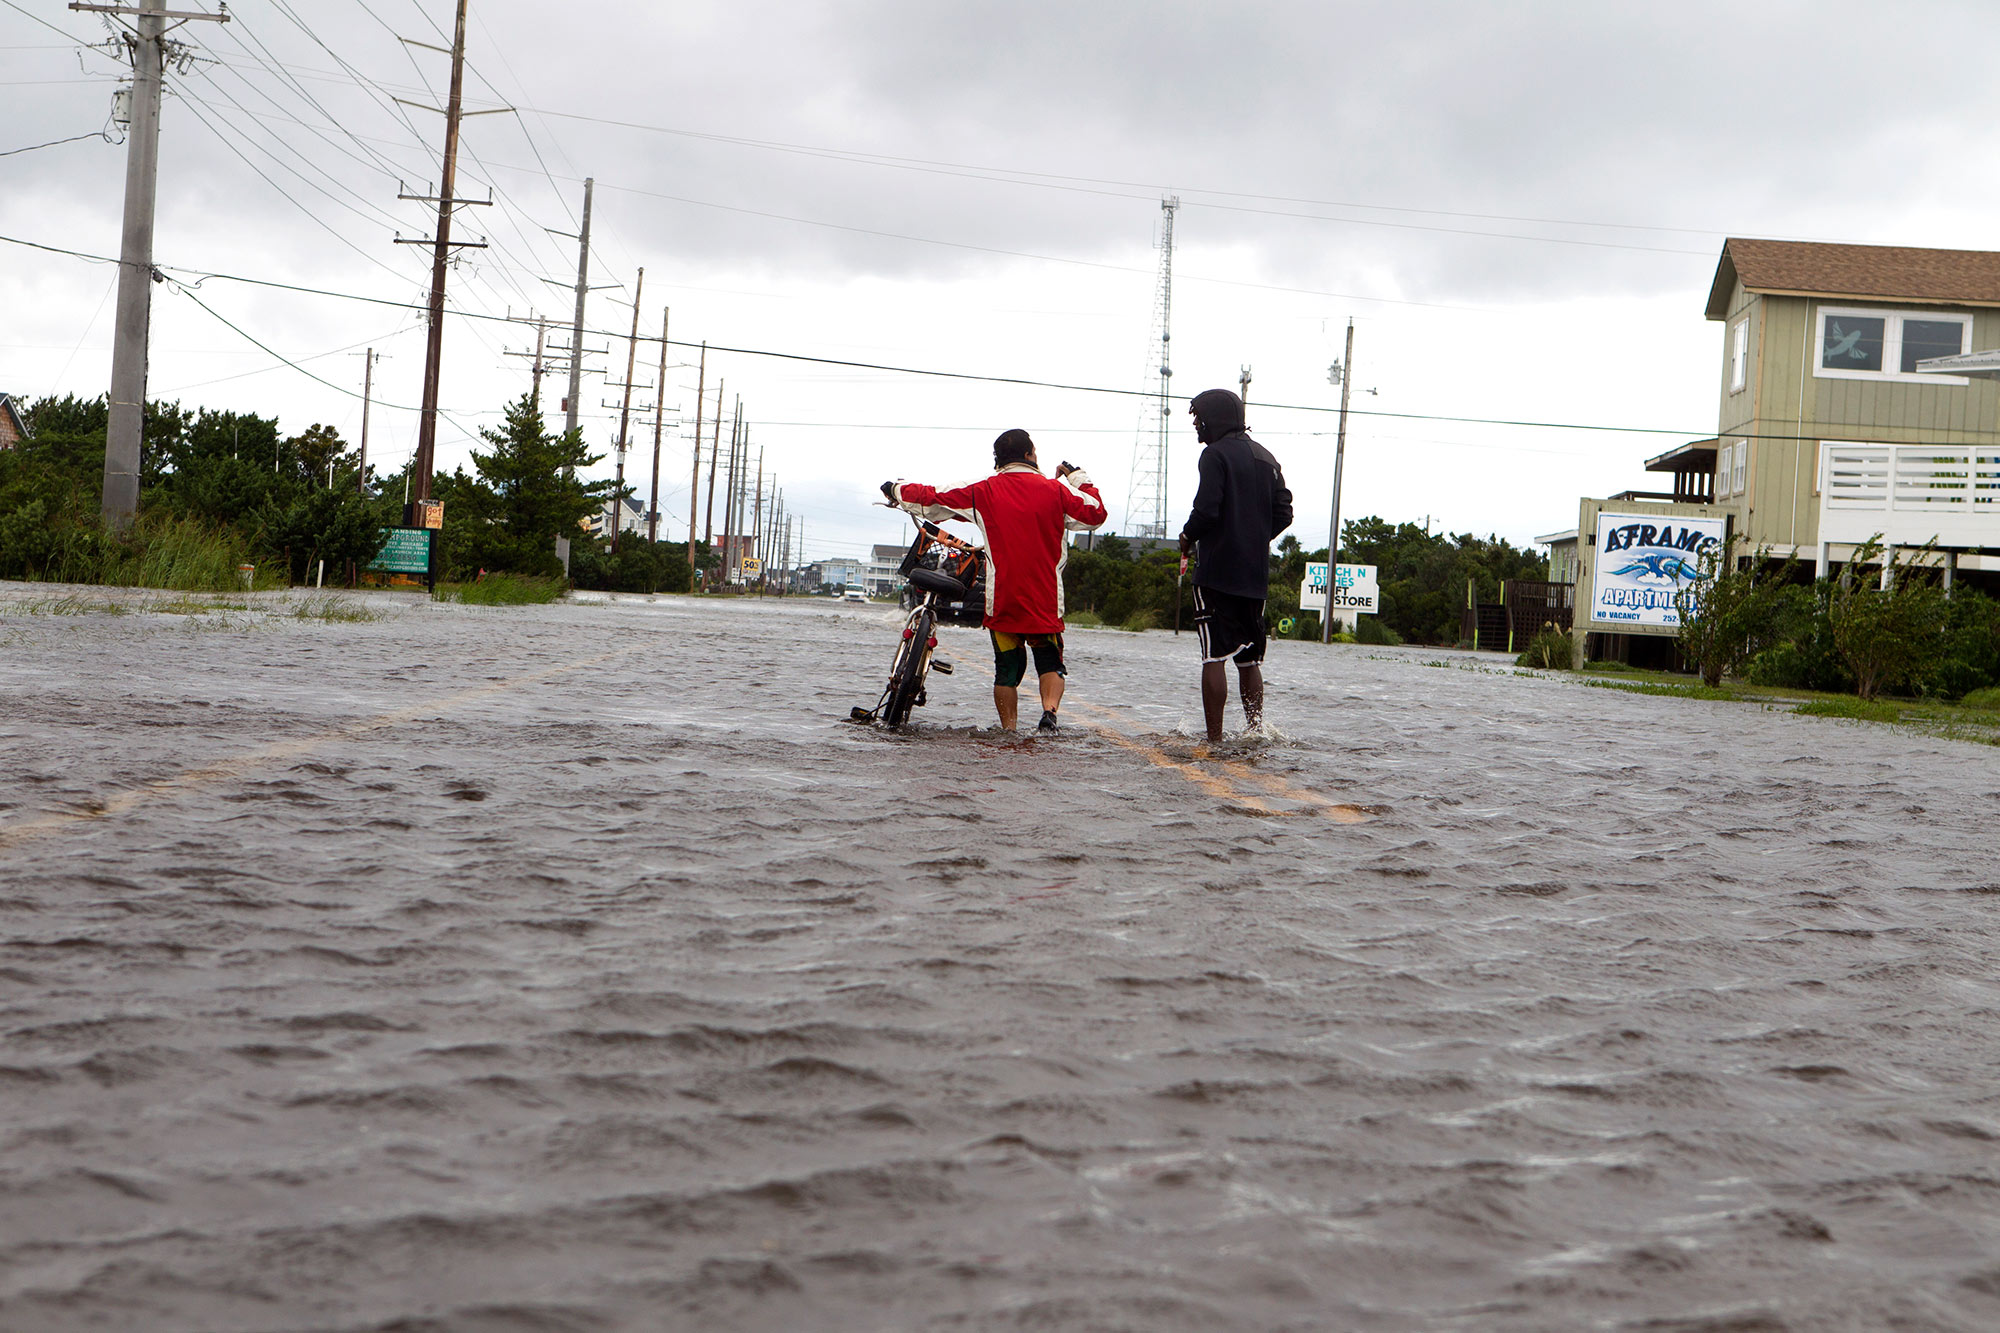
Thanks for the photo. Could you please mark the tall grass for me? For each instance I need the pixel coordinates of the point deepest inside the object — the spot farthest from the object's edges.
(502, 590)
(174, 554)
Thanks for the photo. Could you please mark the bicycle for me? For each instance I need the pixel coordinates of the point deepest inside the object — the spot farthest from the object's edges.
(949, 576)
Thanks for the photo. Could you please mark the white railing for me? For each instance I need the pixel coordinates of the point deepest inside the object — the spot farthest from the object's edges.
(1911, 494)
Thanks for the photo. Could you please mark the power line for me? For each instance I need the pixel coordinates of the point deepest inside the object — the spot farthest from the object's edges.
(967, 376)
(94, 134)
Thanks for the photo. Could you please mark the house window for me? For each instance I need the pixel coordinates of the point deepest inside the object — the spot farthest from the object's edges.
(1736, 470)
(1884, 344)
(1739, 354)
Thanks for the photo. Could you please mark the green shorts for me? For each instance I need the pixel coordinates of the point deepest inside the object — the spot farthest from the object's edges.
(1010, 656)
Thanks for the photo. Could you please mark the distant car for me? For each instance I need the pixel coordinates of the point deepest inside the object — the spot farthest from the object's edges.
(855, 595)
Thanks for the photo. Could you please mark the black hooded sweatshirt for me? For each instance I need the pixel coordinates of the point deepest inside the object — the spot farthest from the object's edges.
(1241, 505)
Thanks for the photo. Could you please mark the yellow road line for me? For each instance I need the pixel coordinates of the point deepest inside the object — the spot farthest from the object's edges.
(1159, 758)
(13, 835)
(1334, 810)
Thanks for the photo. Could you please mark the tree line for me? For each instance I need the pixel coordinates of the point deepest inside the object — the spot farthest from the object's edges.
(1423, 577)
(221, 489)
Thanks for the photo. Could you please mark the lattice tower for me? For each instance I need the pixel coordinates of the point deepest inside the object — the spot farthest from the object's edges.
(1146, 501)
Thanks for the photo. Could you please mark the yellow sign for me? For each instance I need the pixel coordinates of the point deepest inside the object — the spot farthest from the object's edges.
(430, 513)
(752, 565)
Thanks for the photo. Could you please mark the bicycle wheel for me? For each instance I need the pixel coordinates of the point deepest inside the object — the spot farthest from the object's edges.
(906, 682)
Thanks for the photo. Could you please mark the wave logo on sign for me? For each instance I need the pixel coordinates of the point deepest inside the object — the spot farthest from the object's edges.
(1659, 567)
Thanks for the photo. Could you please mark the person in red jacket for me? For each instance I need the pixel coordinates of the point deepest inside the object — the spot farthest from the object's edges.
(1025, 518)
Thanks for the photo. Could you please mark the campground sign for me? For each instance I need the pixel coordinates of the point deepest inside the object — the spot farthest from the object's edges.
(1642, 560)
(405, 551)
(1355, 590)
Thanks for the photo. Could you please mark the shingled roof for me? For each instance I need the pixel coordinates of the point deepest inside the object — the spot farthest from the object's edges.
(1865, 272)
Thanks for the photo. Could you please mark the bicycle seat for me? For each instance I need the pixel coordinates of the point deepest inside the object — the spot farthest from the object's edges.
(944, 585)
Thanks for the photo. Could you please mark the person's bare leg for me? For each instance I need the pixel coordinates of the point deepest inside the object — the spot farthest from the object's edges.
(1052, 691)
(1250, 684)
(1214, 697)
(1007, 702)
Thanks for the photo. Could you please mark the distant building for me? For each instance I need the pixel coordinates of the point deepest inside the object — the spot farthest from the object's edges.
(881, 576)
(13, 429)
(631, 518)
(842, 572)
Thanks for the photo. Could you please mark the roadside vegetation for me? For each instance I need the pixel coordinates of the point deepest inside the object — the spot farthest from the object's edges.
(228, 502)
(1423, 577)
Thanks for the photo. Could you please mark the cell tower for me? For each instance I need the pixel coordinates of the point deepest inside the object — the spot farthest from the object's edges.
(1146, 502)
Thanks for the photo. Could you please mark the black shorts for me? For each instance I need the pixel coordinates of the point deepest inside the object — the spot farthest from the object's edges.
(1229, 626)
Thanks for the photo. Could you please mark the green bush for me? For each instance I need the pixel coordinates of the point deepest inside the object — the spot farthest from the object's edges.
(1082, 620)
(502, 590)
(1891, 638)
(1375, 630)
(1140, 621)
(1550, 650)
(1987, 699)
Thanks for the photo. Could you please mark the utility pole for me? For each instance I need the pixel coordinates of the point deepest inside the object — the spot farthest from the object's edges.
(125, 431)
(757, 523)
(694, 476)
(538, 364)
(1344, 373)
(730, 510)
(442, 246)
(715, 448)
(625, 414)
(659, 421)
(576, 329)
(1244, 381)
(367, 394)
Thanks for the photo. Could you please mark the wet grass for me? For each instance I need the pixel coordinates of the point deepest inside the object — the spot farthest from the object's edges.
(502, 590)
(332, 609)
(1975, 718)
(72, 604)
(1675, 690)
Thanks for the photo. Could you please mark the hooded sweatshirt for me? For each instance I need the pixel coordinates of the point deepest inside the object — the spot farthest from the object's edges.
(1241, 504)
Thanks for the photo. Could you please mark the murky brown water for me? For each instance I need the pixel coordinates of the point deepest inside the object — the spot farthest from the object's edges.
(577, 968)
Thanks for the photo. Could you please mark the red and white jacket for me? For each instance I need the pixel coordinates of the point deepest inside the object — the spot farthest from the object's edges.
(1024, 518)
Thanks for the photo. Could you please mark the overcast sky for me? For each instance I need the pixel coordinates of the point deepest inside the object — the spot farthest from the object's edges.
(1520, 206)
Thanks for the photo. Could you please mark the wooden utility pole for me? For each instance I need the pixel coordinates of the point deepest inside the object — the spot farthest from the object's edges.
(659, 422)
(1244, 381)
(730, 507)
(440, 262)
(694, 476)
(576, 328)
(714, 449)
(367, 394)
(125, 430)
(1339, 457)
(625, 414)
(757, 522)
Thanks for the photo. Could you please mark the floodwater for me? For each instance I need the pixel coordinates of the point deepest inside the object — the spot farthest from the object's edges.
(578, 967)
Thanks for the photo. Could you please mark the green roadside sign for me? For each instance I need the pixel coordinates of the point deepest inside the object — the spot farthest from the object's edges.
(404, 551)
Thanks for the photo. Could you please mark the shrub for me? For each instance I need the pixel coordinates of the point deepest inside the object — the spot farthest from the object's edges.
(1890, 637)
(1375, 630)
(502, 590)
(1550, 650)
(1728, 614)
(1141, 620)
(1987, 699)
(1082, 620)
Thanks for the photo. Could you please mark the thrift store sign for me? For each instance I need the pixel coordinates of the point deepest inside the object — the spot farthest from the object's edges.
(1642, 560)
(1354, 589)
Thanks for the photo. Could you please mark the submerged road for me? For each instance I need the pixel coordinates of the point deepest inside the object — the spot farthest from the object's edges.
(578, 967)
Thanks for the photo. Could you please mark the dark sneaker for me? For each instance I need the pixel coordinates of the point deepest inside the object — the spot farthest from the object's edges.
(1048, 722)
